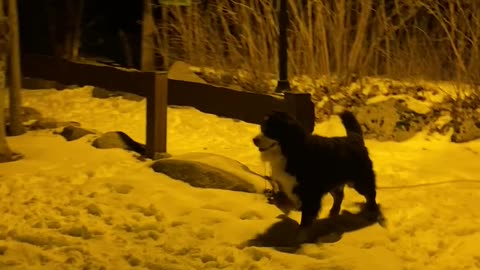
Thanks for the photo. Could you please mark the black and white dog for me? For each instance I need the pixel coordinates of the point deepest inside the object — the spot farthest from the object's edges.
(306, 167)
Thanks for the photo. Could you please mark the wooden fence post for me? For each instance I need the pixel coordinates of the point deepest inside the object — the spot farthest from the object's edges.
(157, 98)
(300, 106)
(16, 125)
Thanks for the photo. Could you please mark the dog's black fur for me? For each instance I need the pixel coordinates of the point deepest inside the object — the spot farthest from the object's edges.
(321, 164)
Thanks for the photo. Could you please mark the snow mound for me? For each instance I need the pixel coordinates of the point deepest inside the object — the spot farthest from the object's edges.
(208, 170)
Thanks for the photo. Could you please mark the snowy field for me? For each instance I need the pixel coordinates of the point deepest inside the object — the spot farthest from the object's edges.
(67, 205)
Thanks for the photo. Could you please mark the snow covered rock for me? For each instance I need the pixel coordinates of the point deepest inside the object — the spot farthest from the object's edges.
(98, 92)
(466, 130)
(28, 114)
(71, 133)
(466, 124)
(118, 139)
(49, 123)
(391, 119)
(181, 71)
(36, 83)
(205, 170)
(32, 119)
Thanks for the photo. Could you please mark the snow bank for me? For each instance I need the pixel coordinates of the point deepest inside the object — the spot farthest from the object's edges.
(68, 205)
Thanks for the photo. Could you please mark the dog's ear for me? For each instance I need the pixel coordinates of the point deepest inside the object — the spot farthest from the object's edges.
(275, 116)
(280, 116)
(273, 113)
(282, 126)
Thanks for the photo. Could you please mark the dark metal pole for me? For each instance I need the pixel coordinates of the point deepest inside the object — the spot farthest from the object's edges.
(283, 84)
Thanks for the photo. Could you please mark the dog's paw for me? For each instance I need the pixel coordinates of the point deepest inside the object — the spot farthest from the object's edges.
(302, 235)
(283, 203)
(382, 221)
(270, 196)
(374, 214)
(268, 191)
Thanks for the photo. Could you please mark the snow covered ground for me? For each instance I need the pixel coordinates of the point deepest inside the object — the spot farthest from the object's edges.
(67, 205)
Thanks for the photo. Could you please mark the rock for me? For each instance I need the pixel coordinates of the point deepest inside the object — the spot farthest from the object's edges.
(123, 188)
(49, 123)
(71, 133)
(98, 92)
(35, 83)
(10, 158)
(158, 156)
(118, 139)
(442, 123)
(3, 249)
(201, 175)
(181, 71)
(93, 209)
(205, 170)
(466, 124)
(391, 119)
(466, 130)
(27, 115)
(44, 124)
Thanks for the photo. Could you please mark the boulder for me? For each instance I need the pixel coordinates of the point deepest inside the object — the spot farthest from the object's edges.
(181, 71)
(49, 123)
(36, 83)
(391, 119)
(102, 93)
(206, 170)
(118, 139)
(466, 130)
(27, 115)
(71, 133)
(465, 122)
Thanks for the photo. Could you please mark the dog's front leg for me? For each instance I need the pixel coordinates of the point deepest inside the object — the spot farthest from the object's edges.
(310, 209)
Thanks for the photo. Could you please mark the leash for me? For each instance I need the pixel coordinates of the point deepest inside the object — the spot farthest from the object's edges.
(269, 193)
(458, 181)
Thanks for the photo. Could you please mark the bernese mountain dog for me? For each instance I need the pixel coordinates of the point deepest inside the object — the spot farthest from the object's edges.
(305, 167)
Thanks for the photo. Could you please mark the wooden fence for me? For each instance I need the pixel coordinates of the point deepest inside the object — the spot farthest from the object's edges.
(160, 92)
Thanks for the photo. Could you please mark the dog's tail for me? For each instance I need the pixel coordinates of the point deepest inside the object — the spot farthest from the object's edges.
(351, 124)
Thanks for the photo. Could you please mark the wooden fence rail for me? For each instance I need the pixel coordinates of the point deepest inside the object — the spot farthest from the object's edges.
(161, 92)
(152, 85)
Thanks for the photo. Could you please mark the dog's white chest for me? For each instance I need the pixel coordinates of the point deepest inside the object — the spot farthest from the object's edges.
(285, 181)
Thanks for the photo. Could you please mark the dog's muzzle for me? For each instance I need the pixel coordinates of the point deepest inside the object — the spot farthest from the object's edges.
(261, 147)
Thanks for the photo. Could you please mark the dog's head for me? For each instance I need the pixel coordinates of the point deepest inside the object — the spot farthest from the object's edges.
(278, 128)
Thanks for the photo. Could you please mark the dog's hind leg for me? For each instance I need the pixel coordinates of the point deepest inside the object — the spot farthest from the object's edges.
(337, 194)
(366, 187)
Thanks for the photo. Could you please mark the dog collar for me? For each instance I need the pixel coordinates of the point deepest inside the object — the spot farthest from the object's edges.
(268, 148)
